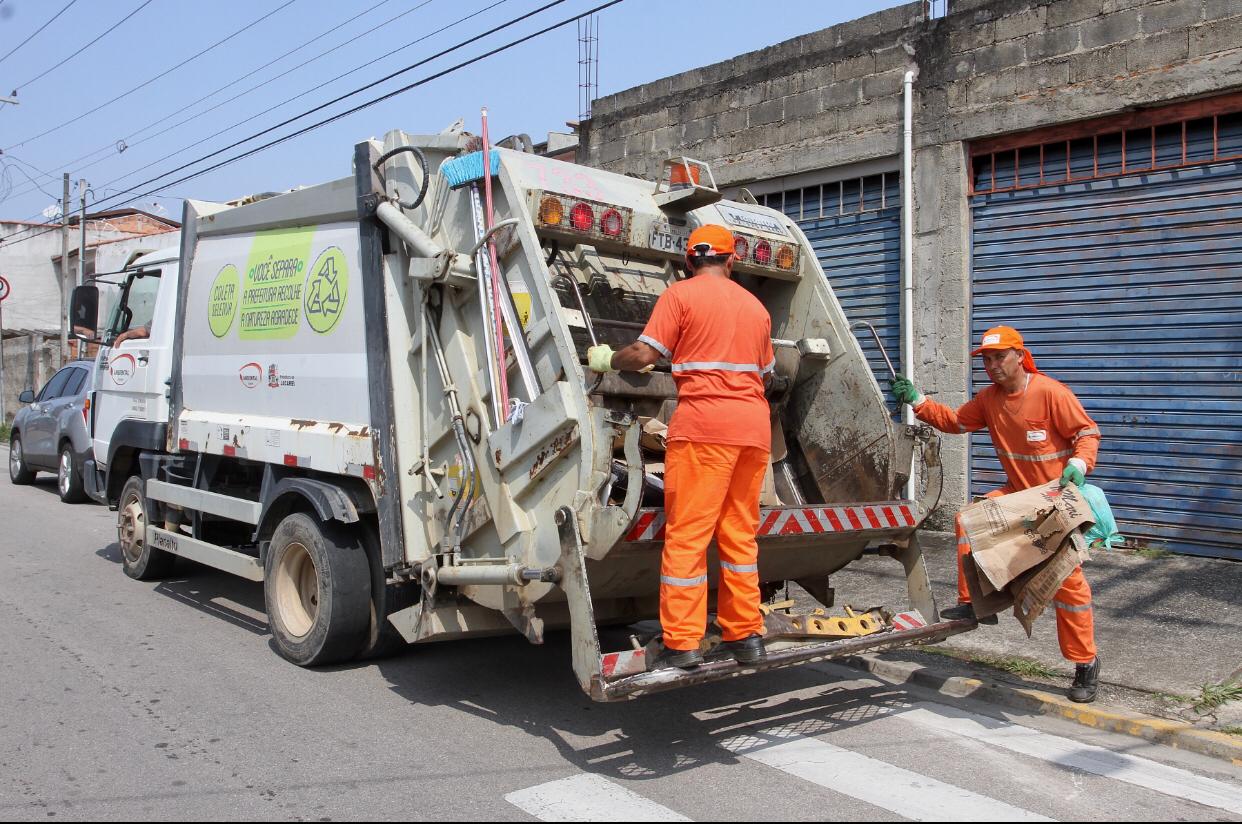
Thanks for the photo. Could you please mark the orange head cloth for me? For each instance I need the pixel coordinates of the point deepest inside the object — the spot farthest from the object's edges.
(1006, 337)
(710, 241)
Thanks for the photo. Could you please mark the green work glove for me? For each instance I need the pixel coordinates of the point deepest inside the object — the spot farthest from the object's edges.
(600, 358)
(1073, 474)
(903, 390)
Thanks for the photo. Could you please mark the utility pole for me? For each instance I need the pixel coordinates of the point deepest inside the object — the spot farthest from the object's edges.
(82, 247)
(64, 275)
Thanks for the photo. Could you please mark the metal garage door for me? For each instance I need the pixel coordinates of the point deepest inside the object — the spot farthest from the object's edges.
(855, 227)
(1127, 284)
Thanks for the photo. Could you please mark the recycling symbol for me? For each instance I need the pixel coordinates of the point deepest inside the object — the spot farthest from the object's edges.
(326, 288)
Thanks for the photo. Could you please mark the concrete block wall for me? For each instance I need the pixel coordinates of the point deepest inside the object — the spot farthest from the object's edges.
(990, 67)
(29, 362)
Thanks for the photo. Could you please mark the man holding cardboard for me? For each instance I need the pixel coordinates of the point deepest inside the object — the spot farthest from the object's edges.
(1041, 433)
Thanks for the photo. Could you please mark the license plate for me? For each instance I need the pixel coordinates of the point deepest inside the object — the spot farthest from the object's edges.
(666, 238)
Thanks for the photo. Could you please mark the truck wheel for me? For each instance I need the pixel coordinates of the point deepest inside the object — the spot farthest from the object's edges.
(69, 477)
(19, 473)
(140, 561)
(382, 638)
(317, 585)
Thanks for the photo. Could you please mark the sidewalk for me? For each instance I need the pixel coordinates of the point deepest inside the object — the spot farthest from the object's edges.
(1166, 628)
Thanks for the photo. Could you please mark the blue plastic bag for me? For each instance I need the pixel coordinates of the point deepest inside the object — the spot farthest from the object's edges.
(1104, 533)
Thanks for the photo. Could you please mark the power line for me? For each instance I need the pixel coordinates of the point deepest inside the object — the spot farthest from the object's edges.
(41, 28)
(302, 94)
(355, 109)
(164, 73)
(112, 146)
(84, 48)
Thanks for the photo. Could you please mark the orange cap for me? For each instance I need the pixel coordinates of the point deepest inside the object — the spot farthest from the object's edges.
(1006, 337)
(709, 241)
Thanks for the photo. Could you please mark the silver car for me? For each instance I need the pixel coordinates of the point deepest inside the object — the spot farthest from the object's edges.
(51, 433)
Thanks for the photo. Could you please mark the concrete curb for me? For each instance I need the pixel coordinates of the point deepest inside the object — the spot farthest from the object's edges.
(1177, 734)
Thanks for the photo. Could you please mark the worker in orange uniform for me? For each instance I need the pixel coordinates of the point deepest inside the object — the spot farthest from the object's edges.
(1040, 433)
(718, 338)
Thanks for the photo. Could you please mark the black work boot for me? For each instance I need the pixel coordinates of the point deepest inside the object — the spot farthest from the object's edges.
(748, 650)
(1086, 682)
(677, 658)
(966, 612)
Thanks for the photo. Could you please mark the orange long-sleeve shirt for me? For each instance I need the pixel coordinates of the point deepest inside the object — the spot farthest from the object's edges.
(1034, 432)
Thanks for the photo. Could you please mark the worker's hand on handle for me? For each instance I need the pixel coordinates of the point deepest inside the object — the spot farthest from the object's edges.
(599, 358)
(903, 391)
(1074, 473)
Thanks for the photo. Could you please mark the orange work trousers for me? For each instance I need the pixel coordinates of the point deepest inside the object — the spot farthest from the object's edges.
(710, 490)
(1075, 618)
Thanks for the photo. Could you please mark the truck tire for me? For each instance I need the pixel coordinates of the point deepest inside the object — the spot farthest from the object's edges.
(69, 477)
(317, 587)
(382, 638)
(19, 473)
(140, 561)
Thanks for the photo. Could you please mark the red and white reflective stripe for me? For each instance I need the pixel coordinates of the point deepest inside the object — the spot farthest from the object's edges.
(619, 664)
(908, 620)
(808, 520)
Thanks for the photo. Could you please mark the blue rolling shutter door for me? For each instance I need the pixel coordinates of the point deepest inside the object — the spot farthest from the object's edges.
(855, 228)
(1129, 290)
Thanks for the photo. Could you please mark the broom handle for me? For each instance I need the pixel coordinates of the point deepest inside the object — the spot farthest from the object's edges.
(496, 273)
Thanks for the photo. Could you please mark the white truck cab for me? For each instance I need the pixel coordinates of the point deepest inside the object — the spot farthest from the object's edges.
(129, 394)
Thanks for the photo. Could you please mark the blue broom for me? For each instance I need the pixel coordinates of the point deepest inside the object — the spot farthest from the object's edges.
(461, 171)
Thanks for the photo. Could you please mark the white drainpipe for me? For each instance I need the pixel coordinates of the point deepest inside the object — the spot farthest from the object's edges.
(907, 248)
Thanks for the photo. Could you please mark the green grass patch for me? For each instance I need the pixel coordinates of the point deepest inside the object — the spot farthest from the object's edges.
(1015, 664)
(5, 431)
(1152, 552)
(1212, 696)
(1233, 729)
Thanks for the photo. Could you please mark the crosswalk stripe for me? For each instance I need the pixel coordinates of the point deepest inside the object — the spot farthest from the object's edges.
(588, 797)
(876, 782)
(1131, 769)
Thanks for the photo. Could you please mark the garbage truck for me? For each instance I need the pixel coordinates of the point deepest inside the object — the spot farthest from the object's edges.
(377, 404)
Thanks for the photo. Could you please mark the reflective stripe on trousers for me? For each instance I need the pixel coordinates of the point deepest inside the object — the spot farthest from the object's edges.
(1072, 603)
(710, 490)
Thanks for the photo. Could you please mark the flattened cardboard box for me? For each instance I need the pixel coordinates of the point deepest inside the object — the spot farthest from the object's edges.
(1011, 534)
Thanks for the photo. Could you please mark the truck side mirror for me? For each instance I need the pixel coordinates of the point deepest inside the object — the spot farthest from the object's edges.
(84, 312)
(27, 396)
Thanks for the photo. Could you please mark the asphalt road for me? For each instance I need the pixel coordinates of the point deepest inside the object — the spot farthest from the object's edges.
(122, 700)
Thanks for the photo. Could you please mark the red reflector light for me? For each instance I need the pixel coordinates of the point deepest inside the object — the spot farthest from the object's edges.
(582, 217)
(230, 450)
(741, 248)
(291, 460)
(183, 444)
(763, 253)
(611, 223)
(368, 472)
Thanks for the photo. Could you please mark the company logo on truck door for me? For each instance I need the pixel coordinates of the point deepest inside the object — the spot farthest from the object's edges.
(122, 368)
(327, 286)
(271, 298)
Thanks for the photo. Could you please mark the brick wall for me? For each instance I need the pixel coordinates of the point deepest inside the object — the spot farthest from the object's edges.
(990, 67)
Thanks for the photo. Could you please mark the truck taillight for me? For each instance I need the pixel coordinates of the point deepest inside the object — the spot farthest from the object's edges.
(86, 411)
(741, 248)
(611, 223)
(576, 216)
(551, 212)
(786, 257)
(763, 253)
(582, 217)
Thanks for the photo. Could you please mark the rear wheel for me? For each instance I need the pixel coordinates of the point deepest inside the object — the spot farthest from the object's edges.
(69, 477)
(140, 561)
(317, 585)
(386, 598)
(19, 473)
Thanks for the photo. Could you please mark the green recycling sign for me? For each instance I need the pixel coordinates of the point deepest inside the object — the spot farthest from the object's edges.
(327, 286)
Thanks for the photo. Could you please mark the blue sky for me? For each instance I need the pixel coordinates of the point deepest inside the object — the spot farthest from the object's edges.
(531, 88)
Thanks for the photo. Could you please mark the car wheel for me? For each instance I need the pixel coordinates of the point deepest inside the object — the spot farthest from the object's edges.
(19, 473)
(317, 585)
(69, 477)
(140, 560)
